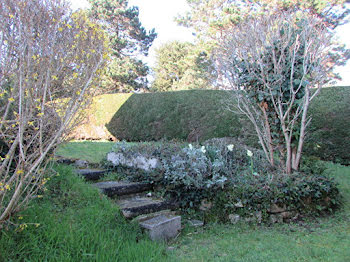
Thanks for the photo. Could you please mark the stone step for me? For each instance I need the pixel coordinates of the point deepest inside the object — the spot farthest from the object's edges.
(136, 206)
(90, 173)
(166, 212)
(120, 188)
(162, 227)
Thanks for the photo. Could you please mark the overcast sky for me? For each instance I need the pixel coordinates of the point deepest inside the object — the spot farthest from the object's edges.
(159, 14)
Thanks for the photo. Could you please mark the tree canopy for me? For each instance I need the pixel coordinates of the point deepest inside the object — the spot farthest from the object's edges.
(129, 41)
(210, 17)
(182, 65)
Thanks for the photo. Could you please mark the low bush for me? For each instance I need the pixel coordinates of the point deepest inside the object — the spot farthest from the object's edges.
(228, 178)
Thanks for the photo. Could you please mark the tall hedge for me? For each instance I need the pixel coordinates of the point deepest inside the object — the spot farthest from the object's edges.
(197, 115)
(193, 115)
(329, 132)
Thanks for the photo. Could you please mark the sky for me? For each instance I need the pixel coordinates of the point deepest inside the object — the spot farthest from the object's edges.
(159, 14)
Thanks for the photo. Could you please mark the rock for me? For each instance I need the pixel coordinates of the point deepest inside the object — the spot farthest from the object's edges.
(81, 163)
(120, 188)
(138, 161)
(196, 223)
(170, 248)
(136, 206)
(166, 212)
(91, 174)
(258, 216)
(205, 205)
(162, 227)
(239, 204)
(249, 219)
(234, 218)
(276, 209)
(276, 218)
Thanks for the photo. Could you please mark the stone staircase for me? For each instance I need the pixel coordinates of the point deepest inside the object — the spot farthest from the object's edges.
(155, 215)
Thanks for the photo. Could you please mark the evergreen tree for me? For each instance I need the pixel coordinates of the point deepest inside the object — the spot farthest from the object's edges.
(182, 65)
(129, 41)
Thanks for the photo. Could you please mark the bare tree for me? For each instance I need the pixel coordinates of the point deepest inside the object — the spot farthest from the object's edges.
(277, 65)
(49, 61)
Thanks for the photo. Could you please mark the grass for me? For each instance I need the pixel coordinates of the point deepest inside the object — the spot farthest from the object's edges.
(320, 239)
(76, 224)
(93, 152)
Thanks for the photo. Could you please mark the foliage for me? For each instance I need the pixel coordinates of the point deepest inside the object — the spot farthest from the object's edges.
(50, 60)
(197, 115)
(193, 115)
(74, 222)
(227, 174)
(128, 40)
(181, 66)
(316, 239)
(277, 65)
(329, 131)
(210, 17)
(297, 192)
(97, 115)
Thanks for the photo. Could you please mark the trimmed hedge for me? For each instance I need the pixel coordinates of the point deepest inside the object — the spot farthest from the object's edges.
(100, 112)
(191, 115)
(329, 137)
(197, 115)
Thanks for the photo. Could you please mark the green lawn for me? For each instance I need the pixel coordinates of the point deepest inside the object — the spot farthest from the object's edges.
(94, 152)
(78, 224)
(74, 222)
(320, 239)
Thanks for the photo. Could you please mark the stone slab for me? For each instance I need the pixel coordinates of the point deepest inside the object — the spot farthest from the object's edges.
(120, 188)
(196, 223)
(166, 212)
(91, 174)
(136, 206)
(162, 227)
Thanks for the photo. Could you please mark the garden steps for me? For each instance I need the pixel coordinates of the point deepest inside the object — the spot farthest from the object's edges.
(91, 173)
(155, 215)
(121, 188)
(136, 206)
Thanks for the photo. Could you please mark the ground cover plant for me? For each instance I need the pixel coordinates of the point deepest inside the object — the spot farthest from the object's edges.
(317, 239)
(233, 179)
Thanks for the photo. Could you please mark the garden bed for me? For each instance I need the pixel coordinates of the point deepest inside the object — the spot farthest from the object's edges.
(224, 180)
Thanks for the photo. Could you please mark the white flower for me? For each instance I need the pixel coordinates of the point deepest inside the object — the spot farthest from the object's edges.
(249, 153)
(203, 149)
(230, 147)
(190, 146)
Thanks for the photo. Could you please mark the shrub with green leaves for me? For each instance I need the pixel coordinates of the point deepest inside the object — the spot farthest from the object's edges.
(225, 172)
(197, 115)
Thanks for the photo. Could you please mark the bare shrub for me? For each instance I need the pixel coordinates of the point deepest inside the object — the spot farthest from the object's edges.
(277, 65)
(49, 61)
